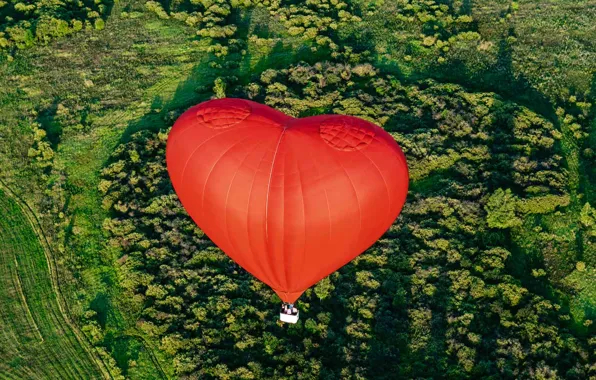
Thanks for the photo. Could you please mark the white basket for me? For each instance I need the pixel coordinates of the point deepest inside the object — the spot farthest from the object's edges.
(288, 318)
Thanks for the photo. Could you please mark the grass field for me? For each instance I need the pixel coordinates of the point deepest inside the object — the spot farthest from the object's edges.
(162, 58)
(95, 88)
(36, 342)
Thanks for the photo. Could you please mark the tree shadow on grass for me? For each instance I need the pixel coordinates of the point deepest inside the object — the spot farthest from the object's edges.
(500, 77)
(189, 92)
(127, 350)
(466, 7)
(47, 120)
(101, 305)
(238, 70)
(515, 86)
(587, 184)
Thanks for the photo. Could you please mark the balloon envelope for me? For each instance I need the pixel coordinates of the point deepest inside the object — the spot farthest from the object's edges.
(290, 200)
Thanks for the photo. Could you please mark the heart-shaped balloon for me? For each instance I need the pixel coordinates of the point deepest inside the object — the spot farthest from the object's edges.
(290, 200)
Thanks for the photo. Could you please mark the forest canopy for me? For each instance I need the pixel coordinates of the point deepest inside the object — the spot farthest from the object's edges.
(489, 271)
(23, 24)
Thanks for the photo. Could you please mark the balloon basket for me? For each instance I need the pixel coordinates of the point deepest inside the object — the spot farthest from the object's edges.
(289, 318)
(286, 316)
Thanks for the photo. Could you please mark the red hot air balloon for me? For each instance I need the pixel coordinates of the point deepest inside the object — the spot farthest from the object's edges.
(290, 200)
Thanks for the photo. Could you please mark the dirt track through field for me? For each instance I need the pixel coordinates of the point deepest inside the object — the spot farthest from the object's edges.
(36, 340)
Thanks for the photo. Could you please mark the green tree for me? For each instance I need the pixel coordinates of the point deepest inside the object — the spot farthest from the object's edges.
(501, 210)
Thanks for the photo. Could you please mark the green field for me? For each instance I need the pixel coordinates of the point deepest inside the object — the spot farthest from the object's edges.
(36, 341)
(161, 68)
(489, 272)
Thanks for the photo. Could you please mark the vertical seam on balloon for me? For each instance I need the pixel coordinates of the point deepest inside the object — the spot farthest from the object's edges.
(177, 137)
(299, 269)
(390, 209)
(283, 224)
(355, 193)
(213, 167)
(304, 211)
(401, 158)
(230, 188)
(269, 183)
(267, 197)
(267, 272)
(401, 155)
(324, 190)
(203, 143)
